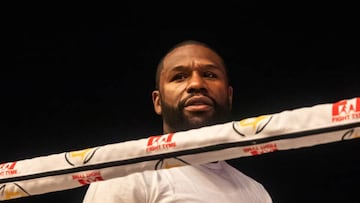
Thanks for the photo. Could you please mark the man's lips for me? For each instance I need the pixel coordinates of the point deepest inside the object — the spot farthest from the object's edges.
(198, 103)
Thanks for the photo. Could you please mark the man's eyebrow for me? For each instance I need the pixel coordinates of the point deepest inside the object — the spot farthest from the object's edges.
(202, 67)
(178, 68)
(211, 67)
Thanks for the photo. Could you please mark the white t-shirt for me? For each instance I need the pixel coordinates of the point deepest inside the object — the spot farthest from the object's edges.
(214, 182)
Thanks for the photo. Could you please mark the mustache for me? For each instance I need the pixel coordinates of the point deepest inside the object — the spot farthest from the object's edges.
(182, 102)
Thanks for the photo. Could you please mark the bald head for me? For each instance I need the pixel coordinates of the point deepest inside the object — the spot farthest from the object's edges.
(210, 50)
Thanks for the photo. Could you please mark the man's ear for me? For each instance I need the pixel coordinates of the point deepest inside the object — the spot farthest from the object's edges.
(156, 101)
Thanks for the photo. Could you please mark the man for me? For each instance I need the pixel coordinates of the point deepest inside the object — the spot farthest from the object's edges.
(192, 91)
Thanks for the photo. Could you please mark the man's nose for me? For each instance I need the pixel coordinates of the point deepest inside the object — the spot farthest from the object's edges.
(196, 84)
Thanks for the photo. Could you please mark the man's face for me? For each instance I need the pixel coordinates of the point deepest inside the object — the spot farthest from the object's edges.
(193, 89)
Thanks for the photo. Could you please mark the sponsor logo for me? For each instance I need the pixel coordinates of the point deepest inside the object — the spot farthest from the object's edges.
(87, 178)
(8, 169)
(261, 149)
(346, 110)
(12, 191)
(160, 142)
(251, 126)
(80, 157)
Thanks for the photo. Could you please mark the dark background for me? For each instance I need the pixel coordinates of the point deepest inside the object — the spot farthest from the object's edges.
(83, 77)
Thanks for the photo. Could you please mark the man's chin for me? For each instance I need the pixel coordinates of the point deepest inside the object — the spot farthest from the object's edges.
(197, 122)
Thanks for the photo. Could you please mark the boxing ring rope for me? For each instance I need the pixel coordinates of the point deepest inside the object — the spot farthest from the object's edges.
(291, 129)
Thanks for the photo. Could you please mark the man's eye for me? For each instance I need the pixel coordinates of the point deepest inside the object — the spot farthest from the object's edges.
(210, 75)
(180, 76)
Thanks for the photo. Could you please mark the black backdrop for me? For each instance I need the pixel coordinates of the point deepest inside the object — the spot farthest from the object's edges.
(87, 81)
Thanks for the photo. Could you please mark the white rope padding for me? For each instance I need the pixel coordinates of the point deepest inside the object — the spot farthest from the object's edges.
(302, 127)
